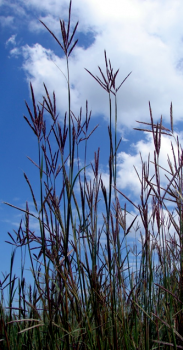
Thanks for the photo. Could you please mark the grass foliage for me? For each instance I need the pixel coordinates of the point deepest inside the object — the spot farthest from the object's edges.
(85, 294)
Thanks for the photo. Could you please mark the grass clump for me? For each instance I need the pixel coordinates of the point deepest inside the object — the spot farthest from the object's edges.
(85, 294)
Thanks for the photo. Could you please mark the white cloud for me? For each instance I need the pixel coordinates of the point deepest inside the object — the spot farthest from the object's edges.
(11, 40)
(15, 52)
(36, 26)
(127, 178)
(145, 37)
(40, 67)
(6, 21)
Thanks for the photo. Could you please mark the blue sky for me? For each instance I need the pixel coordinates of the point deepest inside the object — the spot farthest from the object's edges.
(145, 37)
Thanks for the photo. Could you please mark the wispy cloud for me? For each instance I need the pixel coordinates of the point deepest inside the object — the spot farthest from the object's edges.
(15, 52)
(6, 21)
(11, 40)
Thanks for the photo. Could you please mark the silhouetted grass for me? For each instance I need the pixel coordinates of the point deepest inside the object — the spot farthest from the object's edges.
(86, 295)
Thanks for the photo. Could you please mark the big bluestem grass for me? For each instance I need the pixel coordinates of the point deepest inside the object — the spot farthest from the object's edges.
(85, 294)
